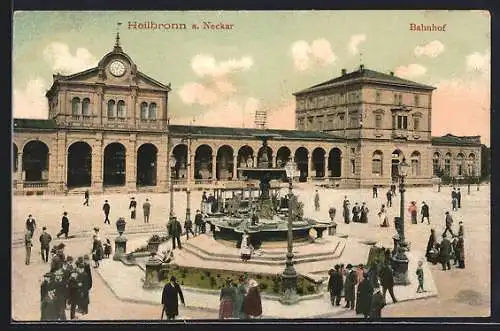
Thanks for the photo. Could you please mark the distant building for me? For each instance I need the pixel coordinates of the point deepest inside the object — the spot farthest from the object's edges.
(108, 131)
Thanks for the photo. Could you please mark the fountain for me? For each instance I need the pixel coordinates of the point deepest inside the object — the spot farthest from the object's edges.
(267, 220)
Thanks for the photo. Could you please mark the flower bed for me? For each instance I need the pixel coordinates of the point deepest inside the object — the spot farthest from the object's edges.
(153, 238)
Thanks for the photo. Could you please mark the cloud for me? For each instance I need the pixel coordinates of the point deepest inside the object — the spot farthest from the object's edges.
(62, 61)
(410, 71)
(318, 52)
(462, 107)
(197, 93)
(354, 43)
(282, 116)
(432, 49)
(479, 62)
(206, 65)
(31, 102)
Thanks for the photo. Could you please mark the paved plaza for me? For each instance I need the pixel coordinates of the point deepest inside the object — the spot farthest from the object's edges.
(460, 292)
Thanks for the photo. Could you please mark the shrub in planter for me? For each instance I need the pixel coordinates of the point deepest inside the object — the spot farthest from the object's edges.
(310, 289)
(263, 286)
(207, 273)
(213, 282)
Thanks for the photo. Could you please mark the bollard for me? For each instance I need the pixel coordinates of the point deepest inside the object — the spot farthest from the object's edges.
(153, 266)
(120, 247)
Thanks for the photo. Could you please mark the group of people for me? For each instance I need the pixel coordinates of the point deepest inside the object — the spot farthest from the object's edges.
(66, 286)
(146, 208)
(359, 213)
(361, 289)
(446, 250)
(240, 300)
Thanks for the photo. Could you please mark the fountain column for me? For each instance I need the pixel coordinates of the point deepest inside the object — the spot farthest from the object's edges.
(214, 166)
(325, 172)
(309, 167)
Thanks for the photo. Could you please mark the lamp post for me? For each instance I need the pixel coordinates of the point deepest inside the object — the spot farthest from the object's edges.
(399, 259)
(188, 189)
(289, 275)
(172, 164)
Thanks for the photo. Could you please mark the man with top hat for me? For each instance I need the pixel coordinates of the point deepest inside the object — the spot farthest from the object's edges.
(350, 287)
(64, 226)
(106, 208)
(198, 221)
(61, 292)
(170, 299)
(31, 224)
(132, 207)
(48, 307)
(175, 230)
(146, 208)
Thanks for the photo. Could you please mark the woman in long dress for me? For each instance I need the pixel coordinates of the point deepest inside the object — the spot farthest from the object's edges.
(430, 252)
(245, 250)
(253, 303)
(382, 214)
(239, 299)
(97, 251)
(227, 296)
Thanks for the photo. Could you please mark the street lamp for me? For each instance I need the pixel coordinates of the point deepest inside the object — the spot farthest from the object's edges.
(399, 259)
(289, 275)
(172, 164)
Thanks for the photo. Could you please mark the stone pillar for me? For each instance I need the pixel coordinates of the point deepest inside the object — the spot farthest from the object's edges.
(97, 164)
(274, 159)
(325, 165)
(254, 158)
(131, 164)
(309, 167)
(120, 247)
(18, 175)
(162, 165)
(214, 166)
(153, 266)
(189, 164)
(235, 167)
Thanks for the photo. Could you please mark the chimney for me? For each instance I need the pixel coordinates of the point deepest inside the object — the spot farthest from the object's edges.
(392, 73)
(344, 72)
(361, 67)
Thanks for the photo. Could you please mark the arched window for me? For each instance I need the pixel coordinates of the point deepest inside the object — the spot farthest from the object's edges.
(436, 164)
(152, 111)
(471, 170)
(447, 164)
(460, 164)
(86, 107)
(378, 121)
(121, 109)
(75, 106)
(415, 164)
(111, 109)
(416, 123)
(144, 111)
(377, 163)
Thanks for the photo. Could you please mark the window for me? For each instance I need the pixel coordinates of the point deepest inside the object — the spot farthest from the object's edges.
(111, 109)
(377, 163)
(447, 164)
(400, 101)
(378, 121)
(86, 107)
(310, 122)
(353, 166)
(377, 96)
(460, 164)
(330, 122)
(435, 164)
(416, 124)
(121, 109)
(471, 162)
(415, 164)
(144, 111)
(152, 111)
(417, 100)
(320, 123)
(75, 106)
(402, 122)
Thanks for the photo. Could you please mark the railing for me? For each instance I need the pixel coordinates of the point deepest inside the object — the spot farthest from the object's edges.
(87, 117)
(37, 184)
(179, 181)
(75, 117)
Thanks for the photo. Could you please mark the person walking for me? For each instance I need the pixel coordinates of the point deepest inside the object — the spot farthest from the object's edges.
(175, 229)
(355, 213)
(335, 285)
(460, 252)
(198, 220)
(64, 226)
(389, 198)
(253, 303)
(387, 281)
(393, 190)
(107, 248)
(316, 201)
(364, 213)
(28, 235)
(460, 229)
(86, 197)
(132, 207)
(445, 252)
(188, 225)
(420, 276)
(382, 214)
(412, 209)
(106, 208)
(430, 252)
(377, 304)
(172, 292)
(226, 300)
(60, 294)
(448, 223)
(459, 198)
(84, 288)
(454, 199)
(97, 250)
(31, 224)
(146, 208)
(364, 296)
(245, 250)
(375, 191)
(350, 288)
(48, 309)
(346, 211)
(45, 240)
(424, 212)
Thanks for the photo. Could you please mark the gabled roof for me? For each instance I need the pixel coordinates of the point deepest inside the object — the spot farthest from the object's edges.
(366, 76)
(249, 133)
(28, 123)
(452, 140)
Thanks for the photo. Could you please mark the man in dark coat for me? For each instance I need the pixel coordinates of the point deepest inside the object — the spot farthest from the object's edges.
(175, 230)
(188, 225)
(424, 211)
(444, 253)
(87, 269)
(60, 292)
(335, 285)
(28, 243)
(31, 224)
(459, 198)
(58, 259)
(169, 299)
(389, 198)
(198, 220)
(393, 190)
(132, 207)
(431, 245)
(454, 199)
(460, 229)
(448, 223)
(387, 281)
(375, 191)
(64, 225)
(378, 302)
(355, 212)
(73, 292)
(460, 252)
(45, 240)
(364, 296)
(146, 208)
(106, 207)
(48, 305)
(83, 282)
(87, 195)
(350, 287)
(364, 213)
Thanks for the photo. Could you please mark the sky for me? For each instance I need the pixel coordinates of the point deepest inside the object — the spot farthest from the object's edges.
(222, 77)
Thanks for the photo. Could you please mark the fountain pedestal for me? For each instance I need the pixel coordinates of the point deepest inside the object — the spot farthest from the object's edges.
(120, 247)
(153, 266)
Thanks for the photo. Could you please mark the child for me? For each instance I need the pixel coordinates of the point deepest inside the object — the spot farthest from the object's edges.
(107, 248)
(420, 276)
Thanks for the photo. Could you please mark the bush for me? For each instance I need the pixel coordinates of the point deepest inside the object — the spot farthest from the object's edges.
(258, 276)
(263, 286)
(311, 289)
(300, 290)
(213, 282)
(202, 277)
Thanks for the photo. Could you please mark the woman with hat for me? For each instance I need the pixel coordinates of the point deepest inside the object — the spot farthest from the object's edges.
(227, 300)
(253, 304)
(245, 250)
(239, 298)
(97, 250)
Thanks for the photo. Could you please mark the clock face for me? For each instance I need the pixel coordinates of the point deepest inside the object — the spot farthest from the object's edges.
(117, 68)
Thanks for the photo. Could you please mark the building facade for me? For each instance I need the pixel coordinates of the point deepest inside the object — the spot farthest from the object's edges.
(108, 131)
